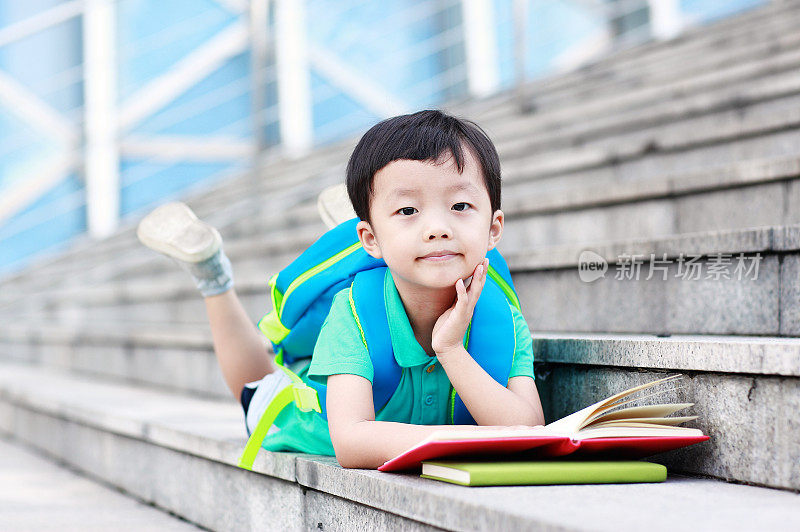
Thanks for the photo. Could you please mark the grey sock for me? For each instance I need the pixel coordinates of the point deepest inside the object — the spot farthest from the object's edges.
(212, 276)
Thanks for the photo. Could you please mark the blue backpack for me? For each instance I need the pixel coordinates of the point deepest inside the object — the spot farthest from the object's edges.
(302, 294)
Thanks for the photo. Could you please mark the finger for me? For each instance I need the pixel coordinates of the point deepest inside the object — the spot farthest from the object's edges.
(477, 286)
(476, 270)
(485, 271)
(462, 300)
(479, 274)
(461, 292)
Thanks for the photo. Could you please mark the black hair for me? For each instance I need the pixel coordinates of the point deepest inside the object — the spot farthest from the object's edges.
(421, 136)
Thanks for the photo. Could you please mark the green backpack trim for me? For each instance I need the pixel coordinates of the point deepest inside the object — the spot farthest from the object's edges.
(507, 290)
(299, 393)
(271, 325)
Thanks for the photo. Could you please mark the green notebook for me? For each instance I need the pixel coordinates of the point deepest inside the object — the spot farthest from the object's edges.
(508, 473)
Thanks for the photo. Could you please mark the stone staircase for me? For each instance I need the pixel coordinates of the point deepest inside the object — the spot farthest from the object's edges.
(668, 151)
(45, 496)
(179, 452)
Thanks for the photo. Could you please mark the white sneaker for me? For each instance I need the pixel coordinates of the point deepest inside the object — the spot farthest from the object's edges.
(334, 205)
(174, 230)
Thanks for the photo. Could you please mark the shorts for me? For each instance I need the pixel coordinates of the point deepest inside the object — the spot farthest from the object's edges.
(257, 395)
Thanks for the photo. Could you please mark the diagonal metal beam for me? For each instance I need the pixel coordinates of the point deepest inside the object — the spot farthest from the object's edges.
(40, 21)
(186, 73)
(187, 148)
(18, 99)
(361, 88)
(588, 48)
(19, 195)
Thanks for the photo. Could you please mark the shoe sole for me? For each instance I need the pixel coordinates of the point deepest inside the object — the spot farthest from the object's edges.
(334, 205)
(174, 230)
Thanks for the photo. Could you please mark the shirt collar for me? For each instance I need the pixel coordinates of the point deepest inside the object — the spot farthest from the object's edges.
(407, 350)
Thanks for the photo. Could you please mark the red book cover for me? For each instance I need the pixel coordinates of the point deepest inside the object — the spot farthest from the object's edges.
(535, 447)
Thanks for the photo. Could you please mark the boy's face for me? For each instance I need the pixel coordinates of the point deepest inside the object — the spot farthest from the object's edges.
(419, 208)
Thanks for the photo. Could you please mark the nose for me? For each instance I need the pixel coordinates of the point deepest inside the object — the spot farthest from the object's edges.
(437, 228)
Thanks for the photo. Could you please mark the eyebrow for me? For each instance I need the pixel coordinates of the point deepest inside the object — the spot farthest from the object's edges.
(411, 192)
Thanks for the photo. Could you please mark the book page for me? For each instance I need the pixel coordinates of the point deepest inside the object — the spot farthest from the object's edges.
(632, 399)
(639, 411)
(642, 420)
(640, 431)
(574, 422)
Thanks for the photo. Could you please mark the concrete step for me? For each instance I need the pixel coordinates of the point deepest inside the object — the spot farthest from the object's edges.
(130, 258)
(744, 390)
(280, 183)
(535, 216)
(692, 297)
(181, 359)
(94, 262)
(693, 39)
(705, 200)
(169, 356)
(641, 64)
(41, 495)
(719, 139)
(734, 121)
(693, 202)
(706, 298)
(758, 44)
(595, 115)
(141, 275)
(153, 445)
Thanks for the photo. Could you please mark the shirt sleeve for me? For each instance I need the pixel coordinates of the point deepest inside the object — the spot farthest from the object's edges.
(339, 347)
(523, 354)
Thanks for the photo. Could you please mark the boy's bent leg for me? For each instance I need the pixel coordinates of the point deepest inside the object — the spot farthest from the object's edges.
(241, 350)
(175, 231)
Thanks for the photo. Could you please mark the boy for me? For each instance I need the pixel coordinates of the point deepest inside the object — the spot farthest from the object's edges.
(426, 188)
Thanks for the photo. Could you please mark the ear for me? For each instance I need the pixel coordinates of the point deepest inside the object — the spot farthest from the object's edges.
(496, 229)
(368, 240)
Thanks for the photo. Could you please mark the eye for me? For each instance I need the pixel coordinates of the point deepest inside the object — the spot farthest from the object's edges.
(464, 204)
(405, 212)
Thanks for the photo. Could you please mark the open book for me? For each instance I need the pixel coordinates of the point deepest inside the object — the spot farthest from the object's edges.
(607, 428)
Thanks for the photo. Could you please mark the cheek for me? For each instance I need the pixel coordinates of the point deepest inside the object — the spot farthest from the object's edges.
(398, 249)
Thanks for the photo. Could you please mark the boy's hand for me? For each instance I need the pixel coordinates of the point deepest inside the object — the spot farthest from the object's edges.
(449, 330)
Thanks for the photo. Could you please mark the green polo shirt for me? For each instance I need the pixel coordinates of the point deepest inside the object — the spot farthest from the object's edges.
(423, 393)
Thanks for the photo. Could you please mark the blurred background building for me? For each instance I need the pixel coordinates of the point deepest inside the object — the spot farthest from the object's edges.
(110, 107)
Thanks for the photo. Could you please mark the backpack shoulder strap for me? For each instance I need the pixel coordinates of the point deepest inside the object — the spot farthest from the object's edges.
(369, 308)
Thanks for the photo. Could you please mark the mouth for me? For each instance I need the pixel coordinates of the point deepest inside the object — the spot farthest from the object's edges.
(439, 256)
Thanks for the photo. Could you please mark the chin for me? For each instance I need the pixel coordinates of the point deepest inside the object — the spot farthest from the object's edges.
(442, 281)
(434, 276)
